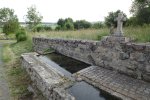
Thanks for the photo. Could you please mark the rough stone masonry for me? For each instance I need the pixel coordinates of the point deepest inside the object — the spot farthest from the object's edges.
(128, 64)
(115, 53)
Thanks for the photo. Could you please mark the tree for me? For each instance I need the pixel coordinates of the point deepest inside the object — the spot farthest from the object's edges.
(11, 26)
(8, 20)
(82, 24)
(61, 22)
(6, 14)
(69, 24)
(33, 18)
(141, 11)
(65, 24)
(110, 19)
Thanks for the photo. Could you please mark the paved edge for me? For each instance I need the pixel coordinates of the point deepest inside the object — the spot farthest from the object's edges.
(122, 86)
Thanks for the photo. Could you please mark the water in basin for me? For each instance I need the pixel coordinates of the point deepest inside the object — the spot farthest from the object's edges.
(63, 63)
(84, 91)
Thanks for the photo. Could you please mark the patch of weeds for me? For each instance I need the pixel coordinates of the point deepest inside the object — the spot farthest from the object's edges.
(99, 36)
(18, 79)
(49, 50)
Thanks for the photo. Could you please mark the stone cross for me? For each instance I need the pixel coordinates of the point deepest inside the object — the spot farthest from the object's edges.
(120, 20)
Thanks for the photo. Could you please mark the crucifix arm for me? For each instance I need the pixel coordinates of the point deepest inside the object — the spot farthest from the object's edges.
(124, 19)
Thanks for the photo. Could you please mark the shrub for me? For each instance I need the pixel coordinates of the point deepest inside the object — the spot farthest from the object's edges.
(47, 28)
(58, 28)
(41, 28)
(21, 35)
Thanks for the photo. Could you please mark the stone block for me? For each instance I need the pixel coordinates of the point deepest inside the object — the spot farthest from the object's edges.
(147, 68)
(146, 77)
(124, 56)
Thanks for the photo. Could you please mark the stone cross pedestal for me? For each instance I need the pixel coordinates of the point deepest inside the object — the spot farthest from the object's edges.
(120, 20)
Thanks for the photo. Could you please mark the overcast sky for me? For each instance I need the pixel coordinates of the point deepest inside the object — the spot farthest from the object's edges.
(52, 10)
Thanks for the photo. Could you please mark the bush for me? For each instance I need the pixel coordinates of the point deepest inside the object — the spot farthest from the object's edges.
(47, 28)
(58, 28)
(39, 28)
(43, 28)
(21, 35)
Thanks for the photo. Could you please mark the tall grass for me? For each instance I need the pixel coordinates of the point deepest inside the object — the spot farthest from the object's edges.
(137, 34)
(89, 34)
(17, 77)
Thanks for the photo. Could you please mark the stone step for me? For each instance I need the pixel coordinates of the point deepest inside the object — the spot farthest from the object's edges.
(117, 84)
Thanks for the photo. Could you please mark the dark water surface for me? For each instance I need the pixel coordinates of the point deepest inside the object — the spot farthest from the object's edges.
(65, 62)
(84, 91)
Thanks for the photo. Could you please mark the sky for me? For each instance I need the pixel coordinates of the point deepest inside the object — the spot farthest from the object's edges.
(52, 10)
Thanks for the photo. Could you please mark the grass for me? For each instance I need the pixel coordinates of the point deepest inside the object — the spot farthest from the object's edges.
(137, 34)
(17, 77)
(89, 34)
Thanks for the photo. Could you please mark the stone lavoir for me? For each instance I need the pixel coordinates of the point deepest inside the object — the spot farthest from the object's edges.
(116, 68)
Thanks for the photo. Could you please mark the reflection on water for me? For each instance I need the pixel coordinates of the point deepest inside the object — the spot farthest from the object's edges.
(67, 63)
(84, 91)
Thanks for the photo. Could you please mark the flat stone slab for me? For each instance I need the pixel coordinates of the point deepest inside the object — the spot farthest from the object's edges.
(116, 84)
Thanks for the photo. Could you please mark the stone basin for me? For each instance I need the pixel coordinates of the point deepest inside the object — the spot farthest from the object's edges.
(55, 76)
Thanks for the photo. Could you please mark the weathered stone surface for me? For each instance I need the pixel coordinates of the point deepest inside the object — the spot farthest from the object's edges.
(46, 79)
(148, 68)
(124, 56)
(115, 53)
(116, 84)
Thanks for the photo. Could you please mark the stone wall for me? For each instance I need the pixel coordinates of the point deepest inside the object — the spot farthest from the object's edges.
(114, 53)
(45, 78)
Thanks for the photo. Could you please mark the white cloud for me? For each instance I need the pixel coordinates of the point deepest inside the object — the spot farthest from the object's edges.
(52, 10)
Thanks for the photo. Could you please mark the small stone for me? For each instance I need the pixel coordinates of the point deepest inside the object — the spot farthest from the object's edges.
(146, 77)
(132, 65)
(79, 79)
(139, 47)
(148, 68)
(124, 56)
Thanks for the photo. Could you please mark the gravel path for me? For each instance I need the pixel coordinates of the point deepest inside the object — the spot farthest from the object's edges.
(4, 89)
